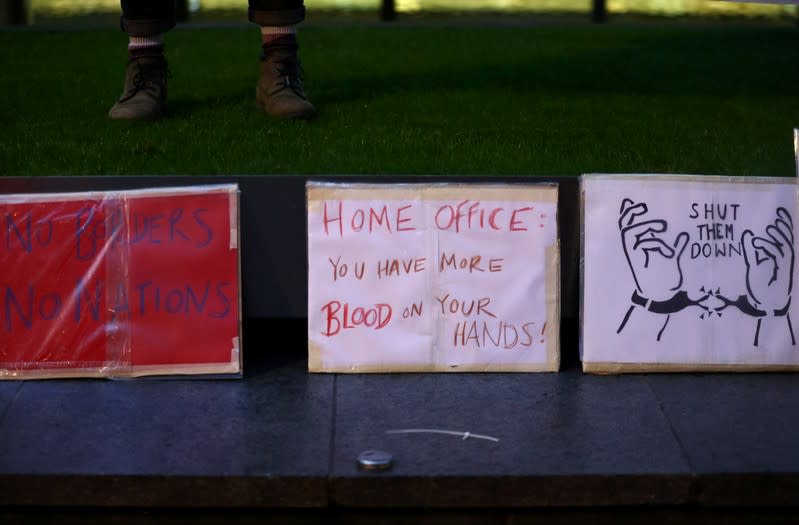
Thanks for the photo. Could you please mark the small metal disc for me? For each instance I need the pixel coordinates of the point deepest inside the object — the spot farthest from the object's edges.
(375, 460)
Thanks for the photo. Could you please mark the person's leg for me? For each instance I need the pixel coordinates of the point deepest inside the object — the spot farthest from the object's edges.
(145, 91)
(147, 17)
(279, 90)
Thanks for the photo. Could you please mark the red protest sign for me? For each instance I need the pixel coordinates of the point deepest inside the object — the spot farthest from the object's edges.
(120, 283)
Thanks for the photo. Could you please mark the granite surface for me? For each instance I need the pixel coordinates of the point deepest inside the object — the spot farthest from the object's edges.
(262, 440)
(562, 439)
(281, 437)
(739, 433)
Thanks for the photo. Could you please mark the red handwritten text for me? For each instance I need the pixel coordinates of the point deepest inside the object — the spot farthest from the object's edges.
(368, 219)
(465, 307)
(471, 216)
(471, 264)
(342, 269)
(340, 317)
(390, 267)
(483, 334)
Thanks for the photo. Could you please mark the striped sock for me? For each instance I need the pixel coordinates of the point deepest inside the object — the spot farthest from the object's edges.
(145, 46)
(278, 36)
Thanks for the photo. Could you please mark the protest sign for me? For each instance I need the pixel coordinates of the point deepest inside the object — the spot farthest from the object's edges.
(688, 273)
(432, 277)
(119, 284)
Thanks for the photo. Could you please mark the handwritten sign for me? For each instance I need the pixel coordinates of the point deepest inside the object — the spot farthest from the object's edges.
(123, 283)
(689, 273)
(424, 277)
(780, 2)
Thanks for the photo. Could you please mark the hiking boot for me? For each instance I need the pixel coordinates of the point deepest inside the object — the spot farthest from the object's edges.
(144, 97)
(279, 91)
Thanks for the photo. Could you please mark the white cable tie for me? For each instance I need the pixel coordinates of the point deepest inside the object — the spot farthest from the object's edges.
(463, 435)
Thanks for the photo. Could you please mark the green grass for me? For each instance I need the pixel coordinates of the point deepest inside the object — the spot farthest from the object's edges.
(417, 99)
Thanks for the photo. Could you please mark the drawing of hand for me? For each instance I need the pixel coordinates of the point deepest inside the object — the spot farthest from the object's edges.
(655, 264)
(769, 264)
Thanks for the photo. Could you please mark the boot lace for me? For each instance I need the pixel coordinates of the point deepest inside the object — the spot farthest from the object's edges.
(149, 76)
(289, 74)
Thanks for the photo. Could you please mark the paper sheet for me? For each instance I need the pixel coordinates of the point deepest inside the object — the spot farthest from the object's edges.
(688, 271)
(432, 278)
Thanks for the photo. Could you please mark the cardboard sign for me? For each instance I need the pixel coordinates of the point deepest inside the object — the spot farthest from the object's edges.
(122, 283)
(688, 273)
(780, 2)
(424, 277)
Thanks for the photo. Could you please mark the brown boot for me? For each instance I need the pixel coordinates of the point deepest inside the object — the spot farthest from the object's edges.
(144, 96)
(279, 91)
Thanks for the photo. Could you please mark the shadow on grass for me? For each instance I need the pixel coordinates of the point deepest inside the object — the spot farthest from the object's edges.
(718, 62)
(183, 107)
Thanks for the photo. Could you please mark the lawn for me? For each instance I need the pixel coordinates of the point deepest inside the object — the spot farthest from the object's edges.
(460, 98)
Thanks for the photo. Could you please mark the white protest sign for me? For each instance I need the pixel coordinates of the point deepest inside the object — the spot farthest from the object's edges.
(432, 277)
(779, 2)
(688, 273)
